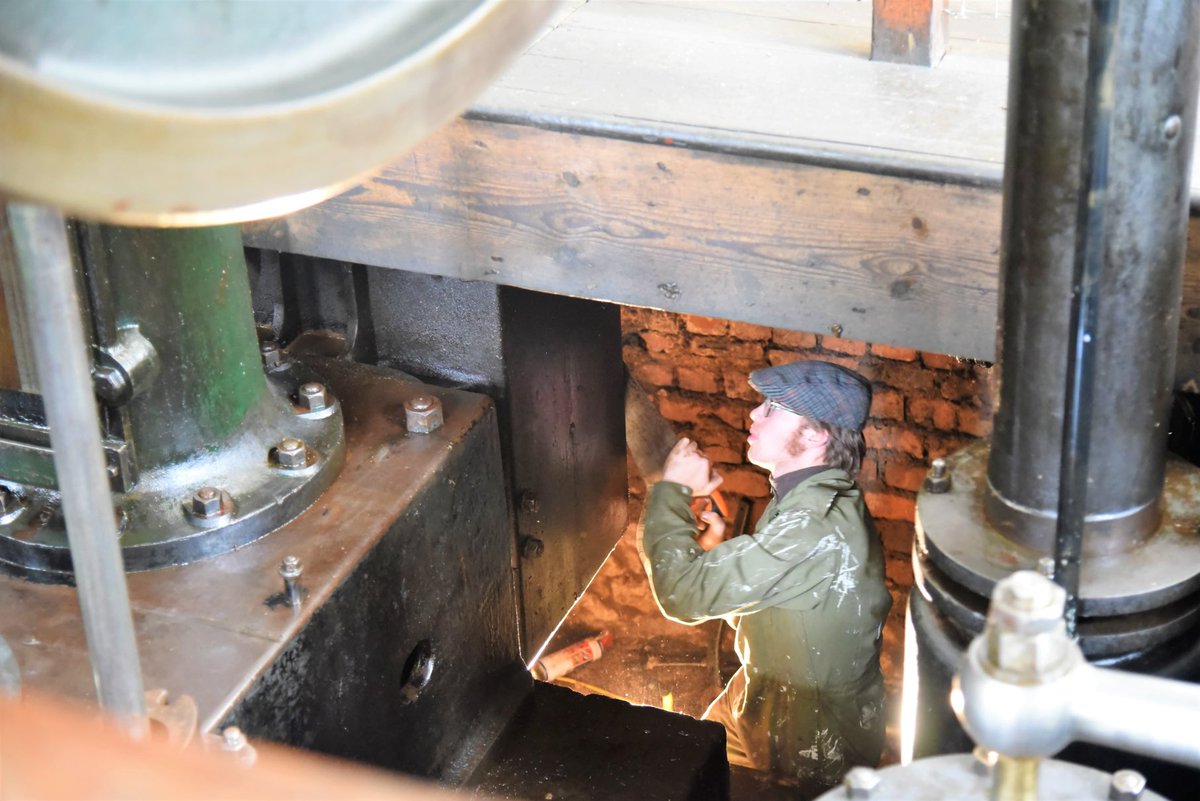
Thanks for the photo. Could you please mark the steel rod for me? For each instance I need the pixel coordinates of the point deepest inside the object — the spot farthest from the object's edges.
(64, 370)
(1090, 257)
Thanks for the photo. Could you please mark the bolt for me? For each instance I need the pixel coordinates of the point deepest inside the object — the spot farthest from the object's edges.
(423, 414)
(1045, 566)
(1127, 785)
(291, 454)
(529, 503)
(985, 760)
(109, 384)
(860, 782)
(938, 480)
(1171, 127)
(532, 547)
(272, 356)
(206, 502)
(1025, 631)
(232, 739)
(314, 397)
(290, 570)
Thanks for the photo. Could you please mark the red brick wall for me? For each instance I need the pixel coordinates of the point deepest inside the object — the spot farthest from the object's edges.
(925, 405)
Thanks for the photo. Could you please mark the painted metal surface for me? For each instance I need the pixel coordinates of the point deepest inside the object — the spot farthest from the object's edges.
(209, 629)
(223, 113)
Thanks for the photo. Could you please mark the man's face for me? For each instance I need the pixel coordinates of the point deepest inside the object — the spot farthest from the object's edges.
(775, 442)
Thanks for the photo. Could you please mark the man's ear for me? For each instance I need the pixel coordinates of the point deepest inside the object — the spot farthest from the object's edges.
(815, 437)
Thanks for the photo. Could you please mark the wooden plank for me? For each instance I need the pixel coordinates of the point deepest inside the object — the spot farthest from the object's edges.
(885, 260)
(775, 243)
(908, 31)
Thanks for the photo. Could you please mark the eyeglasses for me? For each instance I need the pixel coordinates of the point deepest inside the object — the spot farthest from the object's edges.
(771, 406)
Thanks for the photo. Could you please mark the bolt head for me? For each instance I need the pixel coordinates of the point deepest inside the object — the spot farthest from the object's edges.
(1172, 127)
(291, 453)
(423, 414)
(860, 782)
(532, 547)
(291, 567)
(272, 356)
(1126, 785)
(938, 480)
(206, 502)
(314, 397)
(232, 739)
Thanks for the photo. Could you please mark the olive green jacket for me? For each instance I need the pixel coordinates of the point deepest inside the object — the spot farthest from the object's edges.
(806, 594)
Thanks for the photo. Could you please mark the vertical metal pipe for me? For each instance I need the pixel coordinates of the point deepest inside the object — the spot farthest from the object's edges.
(1085, 303)
(1153, 90)
(64, 371)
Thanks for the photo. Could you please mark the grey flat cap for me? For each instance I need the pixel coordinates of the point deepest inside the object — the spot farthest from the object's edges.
(821, 391)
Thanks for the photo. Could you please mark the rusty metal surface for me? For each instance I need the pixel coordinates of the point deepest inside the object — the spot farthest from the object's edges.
(207, 629)
(954, 531)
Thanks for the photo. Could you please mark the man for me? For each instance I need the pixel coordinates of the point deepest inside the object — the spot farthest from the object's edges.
(805, 591)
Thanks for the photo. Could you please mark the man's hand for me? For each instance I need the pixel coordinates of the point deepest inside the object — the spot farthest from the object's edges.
(686, 465)
(714, 535)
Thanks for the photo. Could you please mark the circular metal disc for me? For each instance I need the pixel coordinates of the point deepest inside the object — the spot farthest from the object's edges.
(208, 113)
(956, 535)
(957, 777)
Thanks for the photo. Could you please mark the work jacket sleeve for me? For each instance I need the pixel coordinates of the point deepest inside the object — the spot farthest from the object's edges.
(792, 558)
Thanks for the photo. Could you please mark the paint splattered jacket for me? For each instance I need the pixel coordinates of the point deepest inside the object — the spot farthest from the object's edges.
(806, 594)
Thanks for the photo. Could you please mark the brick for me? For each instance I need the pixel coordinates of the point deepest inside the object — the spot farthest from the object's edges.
(897, 536)
(718, 454)
(733, 413)
(933, 413)
(911, 378)
(904, 474)
(851, 347)
(869, 471)
(711, 432)
(710, 326)
(666, 322)
(778, 357)
(737, 385)
(794, 339)
(959, 388)
(894, 353)
(698, 380)
(900, 571)
(893, 438)
(887, 404)
(891, 506)
(659, 343)
(973, 422)
(758, 333)
(678, 408)
(654, 374)
(940, 361)
(723, 348)
(748, 481)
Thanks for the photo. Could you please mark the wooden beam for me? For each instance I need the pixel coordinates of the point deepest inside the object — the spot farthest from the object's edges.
(887, 260)
(908, 31)
(797, 246)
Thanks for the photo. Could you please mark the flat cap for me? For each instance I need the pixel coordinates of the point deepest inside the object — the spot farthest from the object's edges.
(818, 390)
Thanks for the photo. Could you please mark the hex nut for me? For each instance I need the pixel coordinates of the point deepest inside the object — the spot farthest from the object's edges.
(290, 569)
(206, 502)
(314, 397)
(272, 355)
(532, 547)
(422, 414)
(1126, 785)
(1025, 631)
(291, 454)
(938, 480)
(860, 782)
